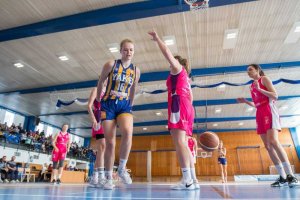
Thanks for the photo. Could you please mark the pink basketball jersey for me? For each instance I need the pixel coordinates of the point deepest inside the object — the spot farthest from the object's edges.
(267, 116)
(62, 139)
(179, 84)
(258, 97)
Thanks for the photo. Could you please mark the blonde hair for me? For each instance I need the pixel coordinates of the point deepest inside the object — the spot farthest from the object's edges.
(183, 62)
(125, 41)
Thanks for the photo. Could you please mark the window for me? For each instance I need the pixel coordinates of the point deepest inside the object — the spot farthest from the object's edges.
(76, 139)
(49, 131)
(2, 115)
(19, 119)
(9, 118)
(40, 127)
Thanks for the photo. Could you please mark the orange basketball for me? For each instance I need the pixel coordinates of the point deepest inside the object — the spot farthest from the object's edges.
(209, 141)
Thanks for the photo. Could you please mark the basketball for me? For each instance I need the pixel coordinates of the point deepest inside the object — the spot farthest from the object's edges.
(209, 141)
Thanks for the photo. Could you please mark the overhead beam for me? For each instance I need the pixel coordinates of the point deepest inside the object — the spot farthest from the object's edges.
(198, 120)
(13, 111)
(195, 131)
(210, 102)
(66, 113)
(159, 76)
(120, 13)
(164, 105)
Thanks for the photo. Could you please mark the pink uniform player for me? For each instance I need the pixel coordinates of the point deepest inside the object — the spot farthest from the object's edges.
(180, 111)
(94, 109)
(267, 116)
(180, 108)
(61, 145)
(264, 96)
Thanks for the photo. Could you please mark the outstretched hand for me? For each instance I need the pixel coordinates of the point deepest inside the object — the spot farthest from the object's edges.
(241, 100)
(154, 35)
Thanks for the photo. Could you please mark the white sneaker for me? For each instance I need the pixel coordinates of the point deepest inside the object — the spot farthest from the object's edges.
(17, 181)
(12, 181)
(183, 185)
(101, 182)
(108, 185)
(196, 183)
(1, 180)
(93, 182)
(125, 176)
(6, 181)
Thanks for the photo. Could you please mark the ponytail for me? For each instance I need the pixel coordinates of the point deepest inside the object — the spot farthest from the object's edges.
(183, 62)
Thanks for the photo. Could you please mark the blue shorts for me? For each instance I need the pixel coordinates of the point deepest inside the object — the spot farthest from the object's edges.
(222, 161)
(112, 108)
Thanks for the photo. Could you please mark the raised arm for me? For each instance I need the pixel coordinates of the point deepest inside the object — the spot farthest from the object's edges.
(134, 86)
(104, 74)
(175, 65)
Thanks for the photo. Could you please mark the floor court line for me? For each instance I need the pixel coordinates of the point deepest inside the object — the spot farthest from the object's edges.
(84, 197)
(148, 191)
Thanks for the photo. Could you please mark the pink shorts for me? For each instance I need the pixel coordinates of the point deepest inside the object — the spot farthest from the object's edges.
(98, 132)
(267, 118)
(181, 114)
(60, 154)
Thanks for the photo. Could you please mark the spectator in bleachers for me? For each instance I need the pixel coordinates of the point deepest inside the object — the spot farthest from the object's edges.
(20, 127)
(3, 170)
(12, 170)
(35, 141)
(42, 134)
(4, 127)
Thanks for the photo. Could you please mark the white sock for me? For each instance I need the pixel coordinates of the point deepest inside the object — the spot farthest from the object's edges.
(101, 172)
(59, 176)
(287, 168)
(193, 173)
(108, 175)
(122, 164)
(186, 173)
(280, 170)
(95, 173)
(55, 177)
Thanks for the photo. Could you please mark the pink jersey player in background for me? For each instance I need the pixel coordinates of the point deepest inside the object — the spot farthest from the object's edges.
(61, 146)
(94, 109)
(264, 96)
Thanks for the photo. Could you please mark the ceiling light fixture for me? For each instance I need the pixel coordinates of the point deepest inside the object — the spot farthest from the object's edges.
(18, 65)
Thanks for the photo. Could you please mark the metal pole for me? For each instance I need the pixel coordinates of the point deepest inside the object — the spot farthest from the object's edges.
(262, 163)
(237, 151)
(149, 162)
